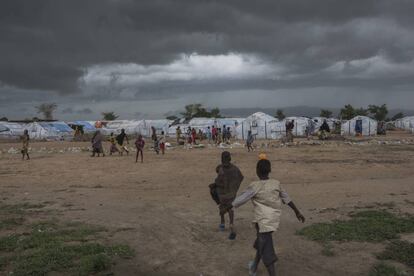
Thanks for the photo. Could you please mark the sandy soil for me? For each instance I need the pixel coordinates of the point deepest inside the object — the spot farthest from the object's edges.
(165, 212)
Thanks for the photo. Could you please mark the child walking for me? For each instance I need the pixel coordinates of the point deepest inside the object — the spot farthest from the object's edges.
(267, 196)
(227, 184)
(249, 141)
(139, 144)
(113, 142)
(25, 147)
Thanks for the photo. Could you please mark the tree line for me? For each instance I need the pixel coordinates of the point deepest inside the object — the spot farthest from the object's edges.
(377, 112)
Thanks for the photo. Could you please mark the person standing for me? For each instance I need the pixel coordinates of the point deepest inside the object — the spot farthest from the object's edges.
(208, 134)
(178, 134)
(214, 134)
(139, 144)
(162, 141)
(97, 144)
(25, 144)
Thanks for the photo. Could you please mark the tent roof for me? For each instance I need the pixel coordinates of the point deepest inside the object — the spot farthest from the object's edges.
(261, 116)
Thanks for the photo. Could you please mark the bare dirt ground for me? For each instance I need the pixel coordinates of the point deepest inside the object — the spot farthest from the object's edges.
(164, 211)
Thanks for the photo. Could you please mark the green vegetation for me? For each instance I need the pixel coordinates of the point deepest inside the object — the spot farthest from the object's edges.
(326, 113)
(52, 246)
(383, 269)
(400, 251)
(280, 115)
(372, 226)
(198, 111)
(109, 116)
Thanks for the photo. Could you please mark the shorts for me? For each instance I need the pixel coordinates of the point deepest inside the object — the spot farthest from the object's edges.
(225, 205)
(264, 247)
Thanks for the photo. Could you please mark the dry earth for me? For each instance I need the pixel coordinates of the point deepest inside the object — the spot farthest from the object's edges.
(162, 208)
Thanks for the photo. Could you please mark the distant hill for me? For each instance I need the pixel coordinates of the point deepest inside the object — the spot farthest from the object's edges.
(306, 111)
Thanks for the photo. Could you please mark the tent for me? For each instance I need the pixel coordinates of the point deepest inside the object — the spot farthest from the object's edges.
(130, 126)
(231, 123)
(258, 123)
(406, 123)
(359, 124)
(159, 125)
(202, 123)
(302, 125)
(50, 130)
(11, 130)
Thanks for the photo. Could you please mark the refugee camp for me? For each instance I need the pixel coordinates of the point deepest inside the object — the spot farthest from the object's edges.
(206, 138)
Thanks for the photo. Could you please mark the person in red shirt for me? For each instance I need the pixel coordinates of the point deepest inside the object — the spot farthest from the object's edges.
(214, 133)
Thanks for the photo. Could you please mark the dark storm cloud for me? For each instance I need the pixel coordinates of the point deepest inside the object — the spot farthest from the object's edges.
(47, 47)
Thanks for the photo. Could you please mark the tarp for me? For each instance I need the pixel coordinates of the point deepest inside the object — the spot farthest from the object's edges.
(258, 123)
(368, 126)
(11, 130)
(50, 131)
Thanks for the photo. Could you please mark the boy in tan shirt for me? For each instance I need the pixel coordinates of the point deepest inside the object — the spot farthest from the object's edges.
(267, 196)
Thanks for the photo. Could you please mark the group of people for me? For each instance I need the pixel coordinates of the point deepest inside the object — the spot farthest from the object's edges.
(119, 144)
(267, 196)
(213, 134)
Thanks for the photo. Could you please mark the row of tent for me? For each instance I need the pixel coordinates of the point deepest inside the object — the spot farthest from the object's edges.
(406, 123)
(262, 126)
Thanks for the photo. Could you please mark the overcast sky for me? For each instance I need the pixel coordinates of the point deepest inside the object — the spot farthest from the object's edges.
(148, 58)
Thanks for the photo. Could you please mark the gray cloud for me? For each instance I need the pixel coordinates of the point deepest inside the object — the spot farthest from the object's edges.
(135, 49)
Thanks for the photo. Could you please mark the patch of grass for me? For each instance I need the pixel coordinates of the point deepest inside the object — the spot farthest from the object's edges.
(9, 243)
(19, 208)
(51, 246)
(371, 225)
(383, 269)
(11, 222)
(400, 251)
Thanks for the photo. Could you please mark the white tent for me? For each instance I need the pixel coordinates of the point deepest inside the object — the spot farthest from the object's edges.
(130, 126)
(231, 123)
(301, 125)
(406, 123)
(50, 130)
(202, 123)
(11, 130)
(159, 125)
(362, 124)
(258, 123)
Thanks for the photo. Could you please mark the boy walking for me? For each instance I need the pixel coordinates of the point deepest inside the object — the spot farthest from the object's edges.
(267, 196)
(227, 184)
